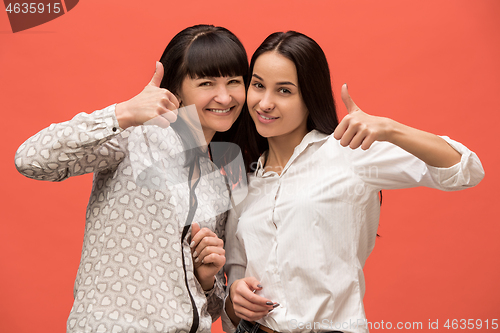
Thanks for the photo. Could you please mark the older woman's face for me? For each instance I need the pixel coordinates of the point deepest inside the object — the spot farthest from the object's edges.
(274, 98)
(218, 100)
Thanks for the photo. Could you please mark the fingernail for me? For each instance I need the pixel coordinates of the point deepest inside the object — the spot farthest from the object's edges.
(192, 244)
(259, 285)
(270, 310)
(276, 305)
(197, 259)
(195, 254)
(269, 303)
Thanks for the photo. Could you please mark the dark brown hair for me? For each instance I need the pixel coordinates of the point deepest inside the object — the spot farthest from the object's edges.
(314, 84)
(204, 51)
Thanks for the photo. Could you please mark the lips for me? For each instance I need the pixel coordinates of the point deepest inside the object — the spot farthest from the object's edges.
(265, 118)
(221, 111)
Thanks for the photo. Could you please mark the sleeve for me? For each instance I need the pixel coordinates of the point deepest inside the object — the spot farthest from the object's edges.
(236, 262)
(85, 144)
(216, 295)
(386, 166)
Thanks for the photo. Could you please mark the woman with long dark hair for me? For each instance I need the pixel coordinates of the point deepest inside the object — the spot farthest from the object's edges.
(146, 266)
(297, 244)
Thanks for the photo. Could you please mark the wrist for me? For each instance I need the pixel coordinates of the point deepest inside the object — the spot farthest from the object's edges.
(208, 284)
(394, 130)
(123, 115)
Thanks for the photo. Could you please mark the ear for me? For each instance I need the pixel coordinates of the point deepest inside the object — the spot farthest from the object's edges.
(179, 99)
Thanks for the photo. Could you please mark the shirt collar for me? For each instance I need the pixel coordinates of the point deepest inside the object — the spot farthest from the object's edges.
(310, 138)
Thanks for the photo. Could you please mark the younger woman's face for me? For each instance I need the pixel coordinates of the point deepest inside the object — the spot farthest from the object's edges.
(274, 100)
(218, 100)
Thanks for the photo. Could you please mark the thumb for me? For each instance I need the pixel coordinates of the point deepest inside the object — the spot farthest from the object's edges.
(195, 227)
(346, 98)
(158, 75)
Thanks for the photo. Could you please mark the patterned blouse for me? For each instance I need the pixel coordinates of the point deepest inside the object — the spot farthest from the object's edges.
(136, 270)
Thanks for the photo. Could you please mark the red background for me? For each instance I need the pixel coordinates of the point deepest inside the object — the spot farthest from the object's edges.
(432, 64)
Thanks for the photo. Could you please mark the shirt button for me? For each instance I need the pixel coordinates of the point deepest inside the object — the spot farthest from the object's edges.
(114, 129)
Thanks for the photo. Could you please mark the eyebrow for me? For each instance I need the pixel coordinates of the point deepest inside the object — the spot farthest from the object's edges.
(278, 83)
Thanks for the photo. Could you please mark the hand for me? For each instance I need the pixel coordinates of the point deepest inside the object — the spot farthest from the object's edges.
(246, 304)
(208, 255)
(358, 128)
(154, 105)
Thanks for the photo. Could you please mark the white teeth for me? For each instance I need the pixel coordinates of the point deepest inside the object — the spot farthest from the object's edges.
(267, 117)
(220, 111)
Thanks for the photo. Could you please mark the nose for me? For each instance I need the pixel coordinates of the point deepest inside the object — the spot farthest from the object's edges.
(223, 96)
(266, 104)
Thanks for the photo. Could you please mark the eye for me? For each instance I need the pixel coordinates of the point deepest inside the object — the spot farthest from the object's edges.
(235, 81)
(258, 85)
(205, 84)
(284, 91)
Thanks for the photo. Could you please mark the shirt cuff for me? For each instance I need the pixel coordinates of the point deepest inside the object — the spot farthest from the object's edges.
(217, 287)
(114, 125)
(466, 173)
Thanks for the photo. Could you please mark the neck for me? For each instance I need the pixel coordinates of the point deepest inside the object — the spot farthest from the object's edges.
(209, 134)
(281, 149)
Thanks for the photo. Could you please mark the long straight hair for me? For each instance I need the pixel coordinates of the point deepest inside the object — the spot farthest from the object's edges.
(314, 83)
(315, 87)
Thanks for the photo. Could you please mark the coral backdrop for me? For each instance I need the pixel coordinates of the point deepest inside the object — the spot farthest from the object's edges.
(432, 64)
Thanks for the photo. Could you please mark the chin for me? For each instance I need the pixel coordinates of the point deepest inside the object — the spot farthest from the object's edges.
(222, 127)
(266, 134)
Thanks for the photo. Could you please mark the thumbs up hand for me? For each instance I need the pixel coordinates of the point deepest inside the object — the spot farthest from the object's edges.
(154, 105)
(358, 128)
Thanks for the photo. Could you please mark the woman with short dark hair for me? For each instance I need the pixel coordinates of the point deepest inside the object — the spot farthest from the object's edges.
(146, 266)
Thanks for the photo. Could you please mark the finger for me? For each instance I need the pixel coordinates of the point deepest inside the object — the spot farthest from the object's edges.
(195, 228)
(346, 98)
(167, 106)
(158, 75)
(348, 135)
(216, 259)
(207, 251)
(170, 116)
(252, 283)
(244, 309)
(358, 138)
(249, 315)
(158, 121)
(368, 141)
(207, 244)
(341, 128)
(200, 235)
(174, 100)
(253, 303)
(247, 289)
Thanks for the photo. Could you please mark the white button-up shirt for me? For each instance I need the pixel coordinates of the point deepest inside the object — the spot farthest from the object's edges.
(306, 234)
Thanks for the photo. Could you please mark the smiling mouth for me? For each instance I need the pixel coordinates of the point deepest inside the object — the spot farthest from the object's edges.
(221, 110)
(264, 117)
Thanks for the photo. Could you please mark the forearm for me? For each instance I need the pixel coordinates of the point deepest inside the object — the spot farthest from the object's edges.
(428, 147)
(230, 311)
(78, 146)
